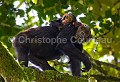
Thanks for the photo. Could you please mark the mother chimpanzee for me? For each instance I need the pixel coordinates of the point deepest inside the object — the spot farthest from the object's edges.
(37, 46)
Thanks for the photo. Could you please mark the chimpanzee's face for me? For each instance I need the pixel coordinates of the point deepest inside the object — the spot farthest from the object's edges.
(67, 18)
(83, 31)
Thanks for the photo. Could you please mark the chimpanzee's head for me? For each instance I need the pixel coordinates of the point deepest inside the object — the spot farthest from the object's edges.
(68, 18)
(83, 32)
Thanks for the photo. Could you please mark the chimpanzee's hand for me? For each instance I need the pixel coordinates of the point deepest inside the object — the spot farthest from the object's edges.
(84, 70)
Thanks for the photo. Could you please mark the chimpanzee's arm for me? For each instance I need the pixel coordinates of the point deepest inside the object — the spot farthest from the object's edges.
(69, 49)
(75, 64)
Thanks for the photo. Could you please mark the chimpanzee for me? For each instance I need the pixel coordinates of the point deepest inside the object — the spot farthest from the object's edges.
(38, 45)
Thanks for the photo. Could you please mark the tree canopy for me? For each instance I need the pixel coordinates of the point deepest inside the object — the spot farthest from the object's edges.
(102, 16)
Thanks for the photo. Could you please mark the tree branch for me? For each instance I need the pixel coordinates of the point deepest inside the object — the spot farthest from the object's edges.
(11, 71)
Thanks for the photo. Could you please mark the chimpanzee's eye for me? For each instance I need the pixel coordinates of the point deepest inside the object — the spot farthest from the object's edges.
(85, 25)
(64, 17)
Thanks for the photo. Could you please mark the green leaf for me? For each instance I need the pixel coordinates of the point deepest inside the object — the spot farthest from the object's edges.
(20, 12)
(84, 20)
(64, 1)
(101, 31)
(49, 3)
(96, 30)
(108, 13)
(34, 1)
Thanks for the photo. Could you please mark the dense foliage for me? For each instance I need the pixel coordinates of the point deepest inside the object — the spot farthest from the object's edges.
(103, 17)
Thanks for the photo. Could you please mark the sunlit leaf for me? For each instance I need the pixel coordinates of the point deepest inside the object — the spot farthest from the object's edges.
(34, 1)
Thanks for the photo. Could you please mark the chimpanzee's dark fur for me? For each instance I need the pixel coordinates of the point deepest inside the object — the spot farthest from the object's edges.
(39, 53)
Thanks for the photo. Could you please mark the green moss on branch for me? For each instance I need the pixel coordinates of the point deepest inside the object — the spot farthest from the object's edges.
(11, 71)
